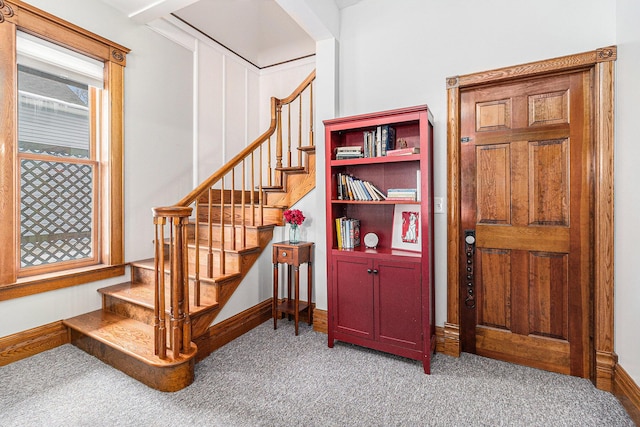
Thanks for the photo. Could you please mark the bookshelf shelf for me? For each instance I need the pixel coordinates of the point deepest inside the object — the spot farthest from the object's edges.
(379, 202)
(374, 160)
(382, 297)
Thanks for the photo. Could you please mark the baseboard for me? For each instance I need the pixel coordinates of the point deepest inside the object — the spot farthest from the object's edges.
(31, 342)
(320, 321)
(228, 330)
(628, 393)
(440, 339)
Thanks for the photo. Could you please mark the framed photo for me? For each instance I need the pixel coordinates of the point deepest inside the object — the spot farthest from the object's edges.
(407, 233)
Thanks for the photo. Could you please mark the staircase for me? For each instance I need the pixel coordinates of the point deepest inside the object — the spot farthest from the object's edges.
(204, 247)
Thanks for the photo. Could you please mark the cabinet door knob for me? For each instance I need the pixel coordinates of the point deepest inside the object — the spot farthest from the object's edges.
(369, 270)
(375, 271)
(284, 253)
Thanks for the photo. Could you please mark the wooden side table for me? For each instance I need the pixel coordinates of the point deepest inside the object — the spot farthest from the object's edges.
(292, 254)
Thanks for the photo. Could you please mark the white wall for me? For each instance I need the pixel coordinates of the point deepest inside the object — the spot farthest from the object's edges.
(627, 196)
(157, 149)
(399, 54)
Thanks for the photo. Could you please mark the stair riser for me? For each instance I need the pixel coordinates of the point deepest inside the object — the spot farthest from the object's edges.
(232, 262)
(161, 378)
(271, 215)
(252, 235)
(216, 197)
(127, 309)
(144, 275)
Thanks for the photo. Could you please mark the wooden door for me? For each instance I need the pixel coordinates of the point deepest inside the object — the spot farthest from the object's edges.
(526, 193)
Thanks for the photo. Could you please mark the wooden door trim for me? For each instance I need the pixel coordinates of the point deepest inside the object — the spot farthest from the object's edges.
(601, 64)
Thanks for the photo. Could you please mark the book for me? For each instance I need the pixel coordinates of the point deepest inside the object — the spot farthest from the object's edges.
(354, 233)
(402, 194)
(339, 231)
(345, 156)
(378, 192)
(349, 148)
(365, 191)
(370, 190)
(403, 151)
(388, 139)
(378, 137)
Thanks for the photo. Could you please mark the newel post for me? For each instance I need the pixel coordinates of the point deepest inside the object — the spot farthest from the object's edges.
(173, 247)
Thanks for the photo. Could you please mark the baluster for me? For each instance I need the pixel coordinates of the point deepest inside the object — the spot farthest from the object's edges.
(279, 144)
(289, 135)
(159, 327)
(196, 243)
(271, 172)
(233, 208)
(243, 200)
(311, 114)
(210, 236)
(260, 192)
(222, 266)
(253, 184)
(185, 317)
(300, 129)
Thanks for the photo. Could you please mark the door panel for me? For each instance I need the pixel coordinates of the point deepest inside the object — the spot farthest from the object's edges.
(526, 193)
(353, 297)
(494, 290)
(399, 304)
(494, 184)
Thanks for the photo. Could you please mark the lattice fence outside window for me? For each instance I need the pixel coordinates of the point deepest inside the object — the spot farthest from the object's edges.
(56, 214)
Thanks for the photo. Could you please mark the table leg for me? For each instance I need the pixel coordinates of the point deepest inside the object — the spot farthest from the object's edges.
(309, 276)
(289, 273)
(274, 303)
(296, 302)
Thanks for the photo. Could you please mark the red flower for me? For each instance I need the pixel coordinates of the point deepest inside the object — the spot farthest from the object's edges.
(293, 216)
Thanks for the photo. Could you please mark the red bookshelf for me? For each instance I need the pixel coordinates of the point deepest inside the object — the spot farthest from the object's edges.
(383, 297)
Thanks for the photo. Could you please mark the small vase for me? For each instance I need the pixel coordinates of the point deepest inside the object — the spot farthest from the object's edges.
(294, 233)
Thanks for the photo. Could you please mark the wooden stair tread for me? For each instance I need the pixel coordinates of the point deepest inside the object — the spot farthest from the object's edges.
(124, 334)
(292, 169)
(149, 264)
(143, 294)
(245, 250)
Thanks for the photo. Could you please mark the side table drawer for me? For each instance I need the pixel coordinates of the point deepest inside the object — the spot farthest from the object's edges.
(285, 256)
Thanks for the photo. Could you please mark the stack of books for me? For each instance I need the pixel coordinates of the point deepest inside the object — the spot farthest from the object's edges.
(379, 141)
(348, 232)
(408, 194)
(348, 152)
(351, 188)
(404, 151)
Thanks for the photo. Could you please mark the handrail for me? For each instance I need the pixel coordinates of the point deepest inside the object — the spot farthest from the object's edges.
(178, 256)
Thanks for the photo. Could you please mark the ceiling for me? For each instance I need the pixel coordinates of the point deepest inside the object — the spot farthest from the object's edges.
(260, 31)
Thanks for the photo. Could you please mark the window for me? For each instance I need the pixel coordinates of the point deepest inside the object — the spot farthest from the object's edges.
(58, 138)
(61, 105)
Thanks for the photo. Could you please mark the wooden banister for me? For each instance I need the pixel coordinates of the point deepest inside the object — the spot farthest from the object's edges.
(223, 189)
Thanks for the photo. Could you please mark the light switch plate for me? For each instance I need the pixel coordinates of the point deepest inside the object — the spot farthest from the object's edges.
(438, 204)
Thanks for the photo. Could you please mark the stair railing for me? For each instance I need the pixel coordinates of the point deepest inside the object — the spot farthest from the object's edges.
(231, 200)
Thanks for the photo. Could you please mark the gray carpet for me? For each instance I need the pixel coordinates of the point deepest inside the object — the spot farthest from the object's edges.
(272, 378)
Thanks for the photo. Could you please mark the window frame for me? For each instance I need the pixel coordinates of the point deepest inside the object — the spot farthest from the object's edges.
(17, 15)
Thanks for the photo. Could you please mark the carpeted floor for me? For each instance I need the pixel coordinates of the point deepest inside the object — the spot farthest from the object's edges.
(273, 378)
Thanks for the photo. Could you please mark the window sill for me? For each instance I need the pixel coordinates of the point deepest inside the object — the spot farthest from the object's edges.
(62, 279)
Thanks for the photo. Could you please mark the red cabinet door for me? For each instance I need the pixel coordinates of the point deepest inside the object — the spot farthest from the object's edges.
(353, 297)
(397, 305)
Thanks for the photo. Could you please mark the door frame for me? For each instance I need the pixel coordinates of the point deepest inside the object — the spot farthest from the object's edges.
(601, 64)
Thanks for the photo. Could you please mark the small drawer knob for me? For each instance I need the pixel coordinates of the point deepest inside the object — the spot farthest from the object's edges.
(284, 253)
